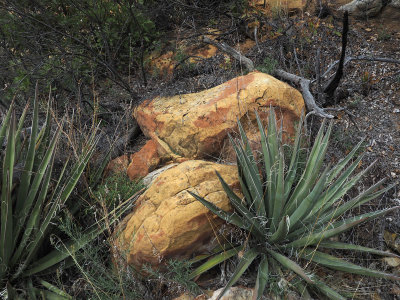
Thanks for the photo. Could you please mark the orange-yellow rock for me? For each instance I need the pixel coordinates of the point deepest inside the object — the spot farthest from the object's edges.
(197, 125)
(144, 161)
(168, 222)
(271, 5)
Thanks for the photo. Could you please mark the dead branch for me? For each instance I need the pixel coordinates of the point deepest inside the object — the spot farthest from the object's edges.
(334, 83)
(305, 90)
(304, 83)
(362, 57)
(234, 53)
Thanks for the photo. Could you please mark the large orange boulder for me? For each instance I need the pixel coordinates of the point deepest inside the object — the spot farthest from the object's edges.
(168, 222)
(195, 126)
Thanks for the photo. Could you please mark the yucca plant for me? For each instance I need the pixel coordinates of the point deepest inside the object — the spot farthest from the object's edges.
(31, 201)
(290, 215)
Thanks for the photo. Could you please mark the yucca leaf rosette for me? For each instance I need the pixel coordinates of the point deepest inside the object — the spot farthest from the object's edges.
(291, 208)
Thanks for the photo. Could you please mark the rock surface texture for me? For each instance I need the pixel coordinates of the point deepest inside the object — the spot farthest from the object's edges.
(144, 161)
(395, 3)
(273, 5)
(168, 222)
(363, 8)
(196, 126)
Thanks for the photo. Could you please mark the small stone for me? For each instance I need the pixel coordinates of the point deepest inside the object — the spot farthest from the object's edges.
(392, 261)
(234, 293)
(395, 290)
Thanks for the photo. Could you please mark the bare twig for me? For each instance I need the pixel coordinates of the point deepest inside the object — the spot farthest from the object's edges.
(297, 61)
(234, 53)
(362, 57)
(318, 74)
(256, 39)
(305, 89)
(304, 83)
(334, 83)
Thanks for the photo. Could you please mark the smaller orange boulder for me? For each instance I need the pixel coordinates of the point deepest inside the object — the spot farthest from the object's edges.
(144, 161)
(168, 222)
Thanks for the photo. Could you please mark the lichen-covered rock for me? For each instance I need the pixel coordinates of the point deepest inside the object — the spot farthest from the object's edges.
(363, 8)
(168, 222)
(144, 161)
(196, 126)
(395, 3)
(149, 178)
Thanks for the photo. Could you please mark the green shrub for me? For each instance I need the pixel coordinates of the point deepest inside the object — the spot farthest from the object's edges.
(116, 189)
(32, 201)
(70, 43)
(290, 222)
(268, 66)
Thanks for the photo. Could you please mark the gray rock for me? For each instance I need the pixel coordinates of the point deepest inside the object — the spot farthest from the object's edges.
(363, 8)
(149, 178)
(395, 3)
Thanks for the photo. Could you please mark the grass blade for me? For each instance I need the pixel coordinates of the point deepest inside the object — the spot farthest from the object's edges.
(306, 204)
(6, 217)
(27, 204)
(337, 228)
(252, 179)
(342, 163)
(327, 291)
(292, 170)
(359, 200)
(266, 159)
(336, 263)
(62, 196)
(34, 216)
(72, 246)
(30, 157)
(244, 263)
(345, 246)
(273, 142)
(338, 191)
(279, 196)
(262, 278)
(5, 124)
(237, 203)
(311, 171)
(290, 264)
(232, 218)
(215, 260)
(55, 289)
